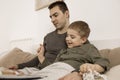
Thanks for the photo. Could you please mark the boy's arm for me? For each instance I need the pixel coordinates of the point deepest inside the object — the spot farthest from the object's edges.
(101, 64)
(40, 53)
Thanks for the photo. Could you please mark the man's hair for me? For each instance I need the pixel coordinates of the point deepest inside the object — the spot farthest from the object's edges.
(81, 27)
(61, 4)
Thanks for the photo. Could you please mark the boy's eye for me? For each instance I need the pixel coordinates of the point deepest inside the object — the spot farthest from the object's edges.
(72, 37)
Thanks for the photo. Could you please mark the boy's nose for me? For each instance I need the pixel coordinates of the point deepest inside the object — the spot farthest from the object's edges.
(67, 38)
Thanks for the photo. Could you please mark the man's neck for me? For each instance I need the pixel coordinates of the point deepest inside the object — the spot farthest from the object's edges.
(63, 30)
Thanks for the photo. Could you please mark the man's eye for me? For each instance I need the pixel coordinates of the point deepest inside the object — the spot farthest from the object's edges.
(55, 15)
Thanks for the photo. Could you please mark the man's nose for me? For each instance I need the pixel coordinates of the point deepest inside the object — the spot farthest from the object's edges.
(52, 19)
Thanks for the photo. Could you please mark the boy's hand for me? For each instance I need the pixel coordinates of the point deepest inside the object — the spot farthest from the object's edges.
(40, 53)
(85, 67)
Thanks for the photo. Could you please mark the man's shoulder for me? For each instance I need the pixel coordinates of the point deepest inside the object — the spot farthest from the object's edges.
(50, 34)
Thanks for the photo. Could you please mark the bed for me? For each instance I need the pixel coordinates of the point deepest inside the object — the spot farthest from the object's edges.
(23, 50)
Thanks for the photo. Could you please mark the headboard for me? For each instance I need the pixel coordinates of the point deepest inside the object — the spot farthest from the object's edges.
(108, 43)
(26, 44)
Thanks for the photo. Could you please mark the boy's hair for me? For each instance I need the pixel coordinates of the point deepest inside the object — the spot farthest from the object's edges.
(61, 4)
(81, 27)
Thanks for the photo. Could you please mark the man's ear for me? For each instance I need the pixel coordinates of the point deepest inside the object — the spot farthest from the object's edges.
(84, 39)
(67, 14)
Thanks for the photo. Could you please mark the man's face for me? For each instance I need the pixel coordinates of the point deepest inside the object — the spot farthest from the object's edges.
(58, 18)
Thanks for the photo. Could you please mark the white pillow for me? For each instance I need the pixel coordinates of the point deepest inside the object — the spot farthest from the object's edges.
(15, 56)
(114, 73)
(25, 44)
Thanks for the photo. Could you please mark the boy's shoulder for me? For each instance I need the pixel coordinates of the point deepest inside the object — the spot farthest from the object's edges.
(88, 46)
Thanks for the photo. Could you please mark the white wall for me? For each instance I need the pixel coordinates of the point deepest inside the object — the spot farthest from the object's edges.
(20, 20)
(103, 16)
(4, 25)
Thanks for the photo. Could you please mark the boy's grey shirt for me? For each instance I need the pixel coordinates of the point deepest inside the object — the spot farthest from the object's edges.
(87, 53)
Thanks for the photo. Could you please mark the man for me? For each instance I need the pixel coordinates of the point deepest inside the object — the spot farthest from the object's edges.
(54, 41)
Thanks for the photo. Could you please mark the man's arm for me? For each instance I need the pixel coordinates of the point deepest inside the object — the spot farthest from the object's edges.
(32, 63)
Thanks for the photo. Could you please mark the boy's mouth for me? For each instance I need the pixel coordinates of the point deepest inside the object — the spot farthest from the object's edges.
(69, 43)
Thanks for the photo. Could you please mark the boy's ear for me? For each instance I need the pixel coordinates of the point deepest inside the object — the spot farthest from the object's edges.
(84, 39)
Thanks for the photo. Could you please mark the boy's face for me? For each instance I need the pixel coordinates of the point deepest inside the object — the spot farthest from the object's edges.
(58, 18)
(74, 39)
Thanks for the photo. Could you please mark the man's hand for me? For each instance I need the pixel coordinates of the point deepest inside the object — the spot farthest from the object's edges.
(13, 67)
(12, 72)
(72, 76)
(40, 53)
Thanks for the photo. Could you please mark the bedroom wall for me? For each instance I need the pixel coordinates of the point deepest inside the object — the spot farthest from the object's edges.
(4, 25)
(101, 15)
(19, 20)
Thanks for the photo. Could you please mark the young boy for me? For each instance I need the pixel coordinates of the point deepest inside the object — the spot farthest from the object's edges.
(88, 55)
(80, 53)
